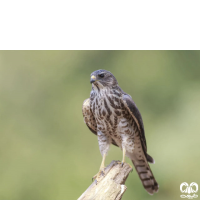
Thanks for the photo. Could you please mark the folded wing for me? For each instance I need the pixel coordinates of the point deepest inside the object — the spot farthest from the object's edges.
(135, 113)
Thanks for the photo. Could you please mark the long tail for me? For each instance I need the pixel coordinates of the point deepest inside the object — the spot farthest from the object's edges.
(146, 176)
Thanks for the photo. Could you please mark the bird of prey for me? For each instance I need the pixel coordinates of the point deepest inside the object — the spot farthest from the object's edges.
(112, 115)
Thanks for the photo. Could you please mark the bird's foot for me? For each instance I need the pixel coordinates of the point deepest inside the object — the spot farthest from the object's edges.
(98, 175)
(122, 164)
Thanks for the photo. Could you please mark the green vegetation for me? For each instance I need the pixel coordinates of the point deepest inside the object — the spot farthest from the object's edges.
(46, 150)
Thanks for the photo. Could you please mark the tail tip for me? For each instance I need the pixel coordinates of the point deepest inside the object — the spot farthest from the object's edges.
(153, 190)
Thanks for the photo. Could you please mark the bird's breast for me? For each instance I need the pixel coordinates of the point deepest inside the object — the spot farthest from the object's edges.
(108, 111)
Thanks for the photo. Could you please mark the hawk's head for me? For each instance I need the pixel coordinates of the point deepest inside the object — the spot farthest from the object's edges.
(103, 78)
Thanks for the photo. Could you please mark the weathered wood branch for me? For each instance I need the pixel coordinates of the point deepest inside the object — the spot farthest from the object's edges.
(111, 185)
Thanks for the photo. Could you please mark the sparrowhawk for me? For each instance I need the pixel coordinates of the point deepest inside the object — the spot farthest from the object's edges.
(112, 115)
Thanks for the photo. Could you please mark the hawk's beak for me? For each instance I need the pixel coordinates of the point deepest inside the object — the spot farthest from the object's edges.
(93, 79)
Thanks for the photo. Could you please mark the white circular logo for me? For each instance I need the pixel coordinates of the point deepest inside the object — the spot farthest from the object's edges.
(189, 189)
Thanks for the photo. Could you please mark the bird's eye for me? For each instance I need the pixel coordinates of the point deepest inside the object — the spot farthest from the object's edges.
(101, 75)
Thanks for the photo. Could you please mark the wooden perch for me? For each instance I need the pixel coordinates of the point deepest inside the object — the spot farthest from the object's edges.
(111, 185)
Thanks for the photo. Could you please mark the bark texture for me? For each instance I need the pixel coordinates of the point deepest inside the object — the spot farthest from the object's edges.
(111, 185)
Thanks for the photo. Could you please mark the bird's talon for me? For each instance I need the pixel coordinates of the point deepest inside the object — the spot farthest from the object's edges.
(98, 175)
(93, 179)
(103, 172)
(121, 163)
(130, 167)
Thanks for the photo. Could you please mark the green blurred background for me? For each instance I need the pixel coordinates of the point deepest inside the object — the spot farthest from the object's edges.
(46, 150)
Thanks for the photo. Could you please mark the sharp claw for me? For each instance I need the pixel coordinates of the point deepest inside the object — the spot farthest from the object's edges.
(98, 175)
(103, 172)
(94, 178)
(122, 164)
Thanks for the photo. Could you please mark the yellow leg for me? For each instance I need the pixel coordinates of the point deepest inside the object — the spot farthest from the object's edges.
(103, 163)
(123, 159)
(124, 155)
(101, 170)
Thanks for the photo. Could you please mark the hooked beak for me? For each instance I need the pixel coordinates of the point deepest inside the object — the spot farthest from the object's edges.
(93, 79)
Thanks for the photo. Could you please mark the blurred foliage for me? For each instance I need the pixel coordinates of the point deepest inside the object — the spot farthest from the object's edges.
(46, 150)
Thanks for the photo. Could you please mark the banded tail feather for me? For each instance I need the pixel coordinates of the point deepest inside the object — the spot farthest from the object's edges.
(143, 169)
(146, 176)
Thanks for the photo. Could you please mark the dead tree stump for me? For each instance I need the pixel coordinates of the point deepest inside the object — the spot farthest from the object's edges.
(111, 185)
